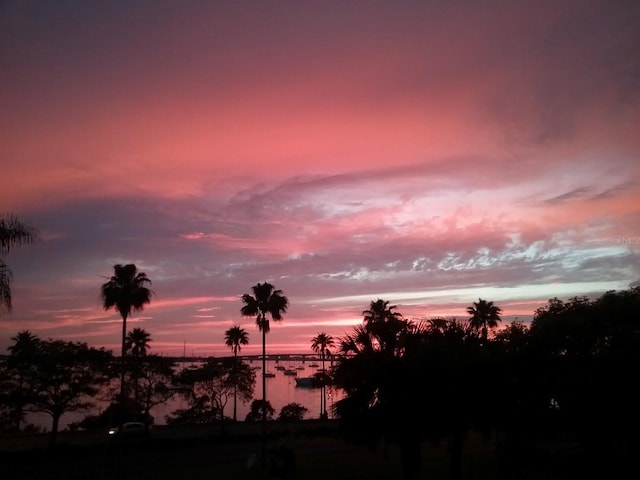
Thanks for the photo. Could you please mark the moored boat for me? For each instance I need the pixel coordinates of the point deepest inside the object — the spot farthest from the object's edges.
(306, 382)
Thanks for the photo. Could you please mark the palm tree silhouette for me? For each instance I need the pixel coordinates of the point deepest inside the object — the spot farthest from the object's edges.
(24, 343)
(485, 316)
(12, 233)
(234, 338)
(321, 343)
(138, 341)
(265, 300)
(136, 346)
(384, 325)
(22, 357)
(126, 291)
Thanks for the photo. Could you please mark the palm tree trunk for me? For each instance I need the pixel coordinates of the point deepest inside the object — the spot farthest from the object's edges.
(122, 369)
(263, 449)
(235, 384)
(54, 430)
(323, 392)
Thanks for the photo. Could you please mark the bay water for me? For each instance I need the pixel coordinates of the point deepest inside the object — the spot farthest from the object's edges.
(281, 390)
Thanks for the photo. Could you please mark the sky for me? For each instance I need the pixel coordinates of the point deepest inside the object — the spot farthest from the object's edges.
(426, 153)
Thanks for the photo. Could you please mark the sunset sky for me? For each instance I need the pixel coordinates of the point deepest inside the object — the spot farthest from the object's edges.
(428, 153)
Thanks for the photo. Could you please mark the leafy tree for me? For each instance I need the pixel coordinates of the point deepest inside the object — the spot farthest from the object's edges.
(208, 387)
(266, 300)
(485, 316)
(260, 410)
(155, 382)
(65, 377)
(587, 353)
(235, 337)
(13, 233)
(126, 291)
(197, 413)
(153, 378)
(292, 412)
(322, 344)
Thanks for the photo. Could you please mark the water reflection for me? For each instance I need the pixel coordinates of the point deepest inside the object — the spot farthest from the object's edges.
(281, 390)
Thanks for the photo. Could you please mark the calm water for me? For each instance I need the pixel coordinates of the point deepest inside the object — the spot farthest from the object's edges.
(281, 390)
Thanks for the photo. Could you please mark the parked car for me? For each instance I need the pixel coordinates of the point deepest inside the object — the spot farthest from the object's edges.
(130, 430)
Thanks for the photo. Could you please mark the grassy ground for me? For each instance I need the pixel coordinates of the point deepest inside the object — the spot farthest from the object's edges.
(317, 450)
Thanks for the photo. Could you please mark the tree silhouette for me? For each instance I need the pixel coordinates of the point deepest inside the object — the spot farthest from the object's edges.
(266, 300)
(321, 344)
(65, 377)
(13, 232)
(20, 360)
(24, 344)
(292, 412)
(259, 410)
(208, 387)
(485, 316)
(384, 325)
(234, 338)
(137, 342)
(126, 291)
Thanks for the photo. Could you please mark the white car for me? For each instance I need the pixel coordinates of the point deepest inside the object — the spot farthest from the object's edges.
(130, 430)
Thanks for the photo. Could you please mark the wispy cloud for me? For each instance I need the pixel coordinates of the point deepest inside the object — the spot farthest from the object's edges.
(428, 153)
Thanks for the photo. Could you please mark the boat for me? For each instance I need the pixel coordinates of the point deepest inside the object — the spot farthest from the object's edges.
(269, 374)
(314, 365)
(306, 382)
(290, 371)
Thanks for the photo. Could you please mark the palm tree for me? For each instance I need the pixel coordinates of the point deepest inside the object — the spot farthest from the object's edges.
(321, 344)
(24, 344)
(485, 316)
(12, 233)
(126, 291)
(234, 338)
(265, 300)
(138, 341)
(21, 360)
(384, 324)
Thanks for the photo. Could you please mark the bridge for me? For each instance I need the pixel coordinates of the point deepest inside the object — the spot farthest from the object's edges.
(301, 357)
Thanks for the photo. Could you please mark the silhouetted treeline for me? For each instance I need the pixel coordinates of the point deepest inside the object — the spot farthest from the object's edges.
(570, 374)
(567, 377)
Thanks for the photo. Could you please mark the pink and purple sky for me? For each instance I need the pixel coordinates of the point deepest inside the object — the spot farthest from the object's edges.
(425, 153)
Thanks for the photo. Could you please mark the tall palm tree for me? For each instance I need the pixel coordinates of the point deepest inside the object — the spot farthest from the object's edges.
(138, 341)
(322, 343)
(485, 316)
(265, 300)
(234, 338)
(13, 232)
(126, 291)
